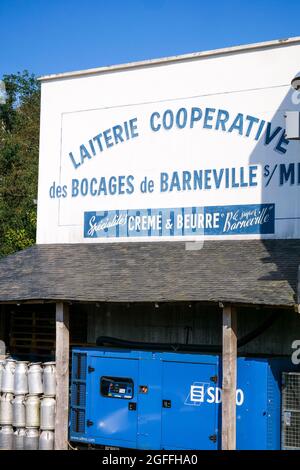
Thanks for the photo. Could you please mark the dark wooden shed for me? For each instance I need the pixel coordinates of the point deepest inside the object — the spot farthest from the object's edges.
(227, 274)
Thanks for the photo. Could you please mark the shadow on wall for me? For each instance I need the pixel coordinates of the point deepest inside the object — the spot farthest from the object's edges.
(278, 160)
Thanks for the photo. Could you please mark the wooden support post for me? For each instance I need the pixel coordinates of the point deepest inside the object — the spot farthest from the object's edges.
(62, 376)
(229, 357)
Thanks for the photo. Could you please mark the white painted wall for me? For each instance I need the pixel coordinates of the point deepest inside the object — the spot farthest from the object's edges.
(253, 83)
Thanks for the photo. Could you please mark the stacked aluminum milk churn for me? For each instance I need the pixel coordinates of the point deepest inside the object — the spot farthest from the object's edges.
(7, 373)
(48, 407)
(27, 405)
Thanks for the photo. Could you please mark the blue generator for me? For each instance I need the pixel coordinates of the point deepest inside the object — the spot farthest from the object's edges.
(161, 400)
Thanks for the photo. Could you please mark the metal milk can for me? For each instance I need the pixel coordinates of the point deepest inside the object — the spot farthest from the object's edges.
(8, 376)
(47, 413)
(6, 408)
(32, 411)
(18, 440)
(49, 379)
(18, 405)
(21, 378)
(6, 437)
(35, 384)
(46, 440)
(31, 439)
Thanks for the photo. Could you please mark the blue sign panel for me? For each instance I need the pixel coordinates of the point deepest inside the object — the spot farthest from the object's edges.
(185, 221)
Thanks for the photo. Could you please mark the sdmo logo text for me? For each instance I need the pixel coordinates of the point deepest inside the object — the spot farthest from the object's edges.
(201, 392)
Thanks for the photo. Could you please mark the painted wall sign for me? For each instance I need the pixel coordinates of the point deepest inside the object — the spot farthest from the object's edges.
(172, 152)
(185, 221)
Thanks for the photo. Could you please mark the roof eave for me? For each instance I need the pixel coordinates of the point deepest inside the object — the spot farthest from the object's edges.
(172, 59)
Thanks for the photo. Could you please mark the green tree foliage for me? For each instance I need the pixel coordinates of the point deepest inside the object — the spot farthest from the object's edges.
(19, 147)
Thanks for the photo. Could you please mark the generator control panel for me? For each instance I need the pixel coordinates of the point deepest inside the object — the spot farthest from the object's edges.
(116, 387)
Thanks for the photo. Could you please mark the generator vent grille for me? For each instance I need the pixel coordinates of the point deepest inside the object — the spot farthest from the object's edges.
(290, 411)
(78, 393)
(79, 366)
(78, 421)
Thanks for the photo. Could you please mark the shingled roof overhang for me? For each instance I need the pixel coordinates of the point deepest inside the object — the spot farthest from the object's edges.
(242, 272)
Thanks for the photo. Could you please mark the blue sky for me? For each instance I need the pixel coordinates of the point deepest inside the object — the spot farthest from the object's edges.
(50, 36)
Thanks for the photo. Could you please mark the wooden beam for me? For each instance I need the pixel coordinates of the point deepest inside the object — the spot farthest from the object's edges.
(62, 376)
(229, 360)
